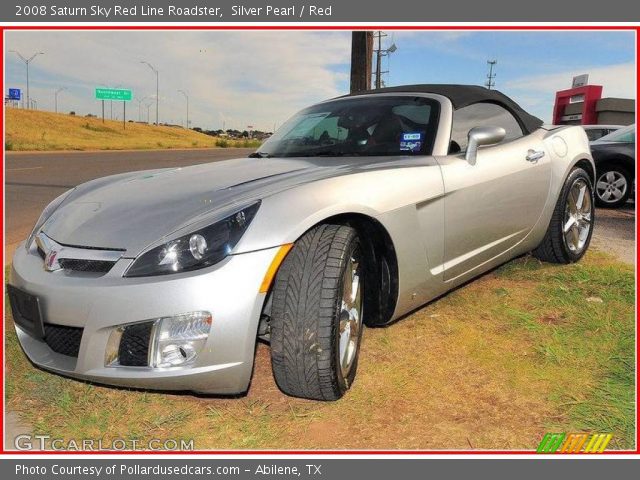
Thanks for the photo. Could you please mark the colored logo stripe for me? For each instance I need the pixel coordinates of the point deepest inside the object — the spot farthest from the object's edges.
(550, 443)
(574, 442)
(598, 443)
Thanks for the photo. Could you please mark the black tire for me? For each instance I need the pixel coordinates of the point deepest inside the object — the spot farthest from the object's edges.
(619, 173)
(305, 314)
(554, 247)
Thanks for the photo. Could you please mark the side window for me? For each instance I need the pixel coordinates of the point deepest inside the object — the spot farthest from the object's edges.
(481, 114)
(595, 133)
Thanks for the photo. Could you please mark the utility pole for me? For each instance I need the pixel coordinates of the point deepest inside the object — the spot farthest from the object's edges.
(56, 96)
(380, 52)
(491, 76)
(27, 61)
(361, 53)
(157, 88)
(187, 97)
(379, 61)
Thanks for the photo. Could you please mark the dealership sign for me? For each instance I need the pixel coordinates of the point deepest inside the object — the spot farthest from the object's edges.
(122, 94)
(14, 94)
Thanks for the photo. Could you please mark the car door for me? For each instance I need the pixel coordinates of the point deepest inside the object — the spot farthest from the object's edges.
(492, 205)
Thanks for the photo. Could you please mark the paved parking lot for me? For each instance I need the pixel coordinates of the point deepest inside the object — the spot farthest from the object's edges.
(615, 232)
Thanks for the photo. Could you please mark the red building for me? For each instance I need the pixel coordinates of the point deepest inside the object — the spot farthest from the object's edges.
(583, 105)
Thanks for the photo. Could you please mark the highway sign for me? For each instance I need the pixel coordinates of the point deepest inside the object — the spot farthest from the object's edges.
(14, 94)
(121, 94)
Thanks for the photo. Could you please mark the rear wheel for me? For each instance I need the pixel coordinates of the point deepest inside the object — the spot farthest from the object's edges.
(571, 226)
(316, 316)
(613, 186)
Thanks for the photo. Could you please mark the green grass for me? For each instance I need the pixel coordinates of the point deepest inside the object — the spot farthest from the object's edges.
(588, 326)
(526, 349)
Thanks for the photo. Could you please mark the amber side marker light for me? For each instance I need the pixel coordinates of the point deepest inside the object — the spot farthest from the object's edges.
(273, 268)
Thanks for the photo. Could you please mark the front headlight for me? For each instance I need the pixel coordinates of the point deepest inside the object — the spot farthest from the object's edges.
(44, 216)
(198, 249)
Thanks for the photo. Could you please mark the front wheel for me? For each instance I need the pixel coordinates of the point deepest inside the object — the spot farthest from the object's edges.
(316, 315)
(613, 186)
(571, 226)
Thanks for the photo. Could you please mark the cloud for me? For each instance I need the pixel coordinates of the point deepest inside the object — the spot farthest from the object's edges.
(425, 37)
(537, 92)
(255, 78)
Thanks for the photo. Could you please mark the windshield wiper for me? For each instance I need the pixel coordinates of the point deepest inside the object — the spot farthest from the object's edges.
(260, 155)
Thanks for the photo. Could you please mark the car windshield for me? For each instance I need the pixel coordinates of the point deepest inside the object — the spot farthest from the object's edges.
(624, 135)
(371, 125)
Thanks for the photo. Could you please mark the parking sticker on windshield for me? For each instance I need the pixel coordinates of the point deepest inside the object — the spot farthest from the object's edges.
(411, 142)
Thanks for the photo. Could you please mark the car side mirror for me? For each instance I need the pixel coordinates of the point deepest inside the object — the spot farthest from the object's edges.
(482, 136)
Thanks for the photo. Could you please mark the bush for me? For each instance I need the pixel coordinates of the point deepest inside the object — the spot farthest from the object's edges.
(222, 143)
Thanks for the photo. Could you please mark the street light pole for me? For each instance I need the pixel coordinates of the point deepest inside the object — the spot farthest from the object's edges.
(56, 96)
(140, 100)
(27, 61)
(187, 97)
(148, 105)
(157, 89)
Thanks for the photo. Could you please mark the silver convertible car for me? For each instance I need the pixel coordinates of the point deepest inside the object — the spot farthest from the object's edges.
(355, 212)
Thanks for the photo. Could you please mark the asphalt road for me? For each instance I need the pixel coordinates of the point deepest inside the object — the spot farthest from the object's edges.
(34, 179)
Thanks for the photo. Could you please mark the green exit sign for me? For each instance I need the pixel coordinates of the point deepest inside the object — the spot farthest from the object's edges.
(113, 94)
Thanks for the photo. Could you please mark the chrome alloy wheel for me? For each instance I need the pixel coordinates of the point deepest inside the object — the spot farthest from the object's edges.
(350, 314)
(611, 186)
(578, 216)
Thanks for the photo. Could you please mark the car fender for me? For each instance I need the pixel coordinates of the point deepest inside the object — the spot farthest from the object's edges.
(567, 146)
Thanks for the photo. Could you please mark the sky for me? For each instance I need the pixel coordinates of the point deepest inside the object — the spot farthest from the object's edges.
(242, 78)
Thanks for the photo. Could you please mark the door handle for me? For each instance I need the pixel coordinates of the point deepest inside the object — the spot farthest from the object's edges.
(534, 155)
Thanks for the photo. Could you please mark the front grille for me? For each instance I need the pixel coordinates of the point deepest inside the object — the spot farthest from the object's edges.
(134, 345)
(76, 259)
(96, 266)
(62, 339)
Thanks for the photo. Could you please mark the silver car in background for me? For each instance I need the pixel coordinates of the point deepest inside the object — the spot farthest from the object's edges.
(355, 212)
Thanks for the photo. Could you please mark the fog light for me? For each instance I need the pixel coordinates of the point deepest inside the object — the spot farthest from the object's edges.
(162, 342)
(179, 339)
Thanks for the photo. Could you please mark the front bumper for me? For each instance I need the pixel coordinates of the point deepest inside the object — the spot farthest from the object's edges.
(229, 290)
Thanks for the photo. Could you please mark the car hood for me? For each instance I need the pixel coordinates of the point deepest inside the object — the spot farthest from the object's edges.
(136, 210)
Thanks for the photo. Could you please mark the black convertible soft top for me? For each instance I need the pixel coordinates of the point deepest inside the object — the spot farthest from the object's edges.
(463, 95)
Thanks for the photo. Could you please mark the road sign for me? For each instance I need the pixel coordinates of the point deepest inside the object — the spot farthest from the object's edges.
(580, 80)
(121, 94)
(14, 94)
